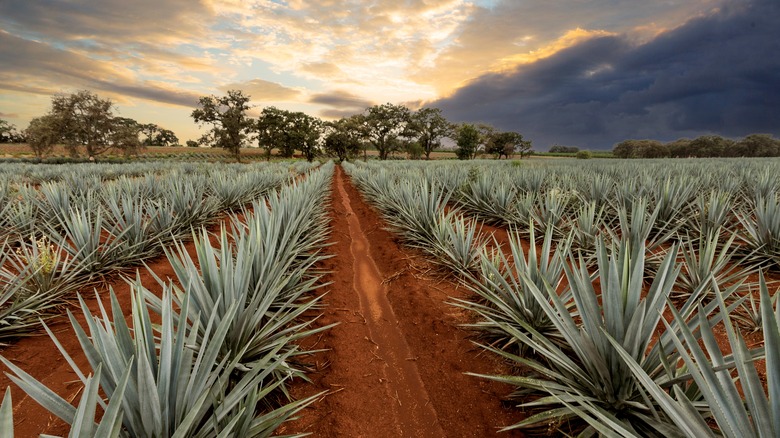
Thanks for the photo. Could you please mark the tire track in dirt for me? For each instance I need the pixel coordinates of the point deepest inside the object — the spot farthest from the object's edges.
(413, 413)
(361, 401)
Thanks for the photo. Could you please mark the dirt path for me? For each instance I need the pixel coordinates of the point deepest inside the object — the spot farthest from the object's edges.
(395, 364)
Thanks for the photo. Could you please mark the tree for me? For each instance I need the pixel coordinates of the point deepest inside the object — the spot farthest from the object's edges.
(166, 137)
(678, 148)
(124, 135)
(430, 127)
(303, 133)
(344, 139)
(383, 125)
(506, 144)
(468, 139)
(709, 146)
(227, 115)
(640, 149)
(559, 149)
(584, 155)
(9, 134)
(757, 145)
(42, 134)
(270, 130)
(84, 120)
(158, 136)
(414, 150)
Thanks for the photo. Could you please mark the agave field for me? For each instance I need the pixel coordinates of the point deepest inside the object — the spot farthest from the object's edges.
(612, 288)
(603, 298)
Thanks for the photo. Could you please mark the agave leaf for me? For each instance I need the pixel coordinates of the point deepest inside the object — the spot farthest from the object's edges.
(7, 416)
(40, 393)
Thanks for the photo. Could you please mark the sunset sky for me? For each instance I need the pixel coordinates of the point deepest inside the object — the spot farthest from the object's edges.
(585, 73)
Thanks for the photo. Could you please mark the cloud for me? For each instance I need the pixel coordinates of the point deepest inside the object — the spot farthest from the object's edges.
(505, 30)
(341, 103)
(322, 69)
(106, 22)
(259, 89)
(713, 74)
(33, 67)
(9, 115)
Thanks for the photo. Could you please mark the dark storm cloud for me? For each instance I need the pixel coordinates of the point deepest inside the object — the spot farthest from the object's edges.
(714, 74)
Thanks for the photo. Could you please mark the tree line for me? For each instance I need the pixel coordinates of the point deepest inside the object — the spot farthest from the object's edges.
(387, 128)
(753, 145)
(85, 122)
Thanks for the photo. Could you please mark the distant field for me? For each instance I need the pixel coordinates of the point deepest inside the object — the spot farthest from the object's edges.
(24, 151)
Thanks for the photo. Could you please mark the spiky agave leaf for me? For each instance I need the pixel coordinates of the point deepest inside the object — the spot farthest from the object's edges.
(706, 258)
(263, 268)
(31, 288)
(754, 414)
(7, 416)
(504, 299)
(172, 389)
(82, 417)
(589, 373)
(761, 227)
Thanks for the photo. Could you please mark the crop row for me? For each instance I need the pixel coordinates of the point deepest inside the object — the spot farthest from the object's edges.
(62, 235)
(224, 348)
(582, 320)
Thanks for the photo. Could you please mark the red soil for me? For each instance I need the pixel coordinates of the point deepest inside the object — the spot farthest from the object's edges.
(396, 362)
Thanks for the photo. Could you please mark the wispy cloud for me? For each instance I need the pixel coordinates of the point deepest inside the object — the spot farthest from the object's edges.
(340, 103)
(259, 90)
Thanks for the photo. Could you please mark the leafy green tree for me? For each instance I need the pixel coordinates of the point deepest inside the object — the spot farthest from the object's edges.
(344, 139)
(710, 146)
(584, 155)
(42, 134)
(158, 136)
(303, 134)
(414, 150)
(228, 117)
(641, 149)
(166, 137)
(124, 135)
(270, 130)
(757, 145)
(9, 134)
(560, 149)
(429, 127)
(84, 120)
(506, 144)
(383, 125)
(468, 139)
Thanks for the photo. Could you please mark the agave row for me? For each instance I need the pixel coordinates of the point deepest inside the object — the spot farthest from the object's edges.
(60, 237)
(593, 357)
(226, 342)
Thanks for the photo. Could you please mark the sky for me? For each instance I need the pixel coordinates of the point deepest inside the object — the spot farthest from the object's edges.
(586, 73)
